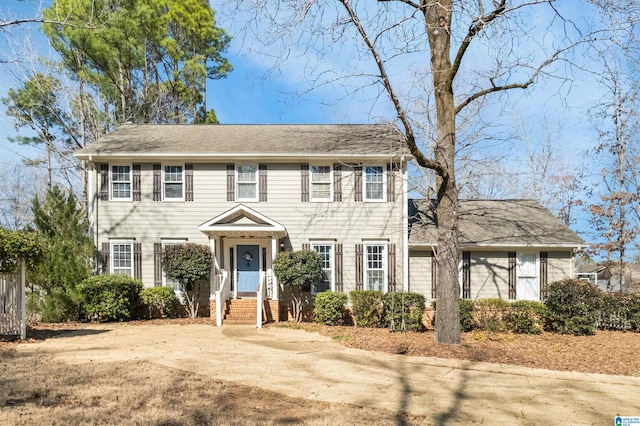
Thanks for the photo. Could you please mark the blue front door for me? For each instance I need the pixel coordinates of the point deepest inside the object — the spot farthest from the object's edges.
(248, 265)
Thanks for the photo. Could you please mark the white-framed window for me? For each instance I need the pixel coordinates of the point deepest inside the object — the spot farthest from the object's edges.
(121, 182)
(175, 285)
(375, 266)
(321, 188)
(121, 258)
(374, 183)
(173, 182)
(247, 183)
(326, 252)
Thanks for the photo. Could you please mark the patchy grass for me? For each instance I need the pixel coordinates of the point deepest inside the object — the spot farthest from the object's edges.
(37, 390)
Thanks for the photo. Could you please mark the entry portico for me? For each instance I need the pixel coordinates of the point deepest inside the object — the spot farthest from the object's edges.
(244, 243)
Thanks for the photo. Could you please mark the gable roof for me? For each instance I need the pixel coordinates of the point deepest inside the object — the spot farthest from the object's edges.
(498, 223)
(242, 220)
(233, 141)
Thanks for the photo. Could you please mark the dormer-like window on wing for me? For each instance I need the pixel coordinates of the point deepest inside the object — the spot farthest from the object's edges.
(321, 183)
(121, 182)
(173, 183)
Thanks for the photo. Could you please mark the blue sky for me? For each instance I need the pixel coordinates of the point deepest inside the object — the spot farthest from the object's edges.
(252, 94)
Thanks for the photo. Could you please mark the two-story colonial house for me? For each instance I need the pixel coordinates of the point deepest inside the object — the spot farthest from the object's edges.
(251, 191)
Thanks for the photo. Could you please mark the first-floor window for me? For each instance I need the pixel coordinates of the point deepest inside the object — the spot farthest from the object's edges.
(375, 266)
(325, 250)
(175, 285)
(122, 258)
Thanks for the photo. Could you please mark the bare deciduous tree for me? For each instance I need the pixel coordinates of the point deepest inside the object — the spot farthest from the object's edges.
(466, 51)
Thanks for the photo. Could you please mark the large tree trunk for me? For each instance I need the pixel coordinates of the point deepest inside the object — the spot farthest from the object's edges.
(447, 327)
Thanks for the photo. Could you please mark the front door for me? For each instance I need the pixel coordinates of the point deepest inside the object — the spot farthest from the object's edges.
(527, 287)
(248, 266)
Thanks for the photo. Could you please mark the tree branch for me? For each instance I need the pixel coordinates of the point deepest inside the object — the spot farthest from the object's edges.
(409, 136)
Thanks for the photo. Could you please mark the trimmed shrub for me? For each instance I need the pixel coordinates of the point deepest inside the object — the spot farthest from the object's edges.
(59, 306)
(466, 314)
(107, 298)
(489, 314)
(527, 317)
(573, 306)
(367, 307)
(160, 301)
(329, 309)
(403, 310)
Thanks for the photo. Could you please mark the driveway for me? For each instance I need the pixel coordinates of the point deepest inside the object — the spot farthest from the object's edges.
(308, 365)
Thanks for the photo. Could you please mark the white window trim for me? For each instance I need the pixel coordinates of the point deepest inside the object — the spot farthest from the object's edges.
(173, 241)
(385, 267)
(332, 285)
(364, 184)
(311, 182)
(112, 257)
(255, 182)
(164, 194)
(111, 182)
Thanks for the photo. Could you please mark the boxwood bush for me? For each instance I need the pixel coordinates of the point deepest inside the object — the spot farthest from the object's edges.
(527, 317)
(160, 302)
(330, 308)
(489, 314)
(108, 298)
(574, 306)
(403, 311)
(367, 307)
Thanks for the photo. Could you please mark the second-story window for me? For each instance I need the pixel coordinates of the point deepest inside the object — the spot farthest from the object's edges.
(173, 183)
(374, 183)
(320, 183)
(247, 184)
(120, 182)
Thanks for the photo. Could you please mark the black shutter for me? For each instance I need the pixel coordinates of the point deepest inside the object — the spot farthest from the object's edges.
(188, 182)
(392, 169)
(513, 262)
(544, 256)
(306, 246)
(157, 264)
(391, 266)
(338, 266)
(104, 182)
(262, 182)
(337, 182)
(466, 275)
(137, 261)
(157, 182)
(359, 267)
(104, 254)
(357, 182)
(231, 182)
(136, 183)
(304, 183)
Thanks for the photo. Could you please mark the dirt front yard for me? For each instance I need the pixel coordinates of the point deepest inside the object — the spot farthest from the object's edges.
(189, 372)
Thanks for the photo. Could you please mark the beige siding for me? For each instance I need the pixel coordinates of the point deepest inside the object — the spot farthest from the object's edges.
(559, 266)
(347, 222)
(420, 272)
(489, 274)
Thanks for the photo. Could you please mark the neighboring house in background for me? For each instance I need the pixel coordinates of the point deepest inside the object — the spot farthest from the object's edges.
(510, 249)
(606, 276)
(251, 191)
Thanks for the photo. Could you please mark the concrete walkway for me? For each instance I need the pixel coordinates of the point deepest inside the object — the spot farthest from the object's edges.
(308, 365)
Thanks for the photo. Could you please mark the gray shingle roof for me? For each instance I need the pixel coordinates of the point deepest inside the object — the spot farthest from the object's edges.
(494, 223)
(136, 140)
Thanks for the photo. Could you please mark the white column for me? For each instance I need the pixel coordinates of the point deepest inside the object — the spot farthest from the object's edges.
(274, 252)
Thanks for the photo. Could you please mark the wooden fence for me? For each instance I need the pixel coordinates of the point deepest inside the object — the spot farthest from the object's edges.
(12, 303)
